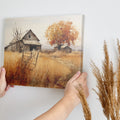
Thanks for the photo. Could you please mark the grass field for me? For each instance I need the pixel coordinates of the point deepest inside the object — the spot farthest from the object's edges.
(52, 70)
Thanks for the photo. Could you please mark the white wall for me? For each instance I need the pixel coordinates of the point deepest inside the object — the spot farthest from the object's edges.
(102, 22)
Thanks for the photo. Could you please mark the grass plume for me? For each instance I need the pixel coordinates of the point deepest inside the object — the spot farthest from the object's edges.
(86, 109)
(108, 84)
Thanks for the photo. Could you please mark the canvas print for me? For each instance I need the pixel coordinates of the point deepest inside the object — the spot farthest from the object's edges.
(43, 51)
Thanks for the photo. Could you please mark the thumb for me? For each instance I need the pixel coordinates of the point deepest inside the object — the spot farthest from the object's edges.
(2, 81)
(3, 72)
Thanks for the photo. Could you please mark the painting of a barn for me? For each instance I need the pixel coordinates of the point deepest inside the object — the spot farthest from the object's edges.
(43, 51)
(28, 42)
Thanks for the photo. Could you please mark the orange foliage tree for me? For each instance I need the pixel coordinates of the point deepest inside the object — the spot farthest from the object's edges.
(60, 33)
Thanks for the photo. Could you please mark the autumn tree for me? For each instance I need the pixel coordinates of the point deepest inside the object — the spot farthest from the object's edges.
(61, 33)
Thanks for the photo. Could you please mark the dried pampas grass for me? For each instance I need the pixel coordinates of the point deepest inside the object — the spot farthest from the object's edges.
(108, 84)
(86, 110)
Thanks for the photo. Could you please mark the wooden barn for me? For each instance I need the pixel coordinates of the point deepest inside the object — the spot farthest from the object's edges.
(28, 42)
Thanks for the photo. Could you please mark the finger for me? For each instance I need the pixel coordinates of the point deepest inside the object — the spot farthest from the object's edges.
(83, 77)
(3, 73)
(7, 88)
(75, 76)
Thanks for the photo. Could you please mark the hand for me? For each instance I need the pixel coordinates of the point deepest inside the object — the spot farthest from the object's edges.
(64, 107)
(71, 92)
(3, 84)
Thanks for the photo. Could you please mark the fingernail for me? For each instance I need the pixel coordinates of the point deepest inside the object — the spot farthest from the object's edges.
(3, 69)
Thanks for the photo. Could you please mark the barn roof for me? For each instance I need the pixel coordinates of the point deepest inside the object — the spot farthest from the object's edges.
(30, 42)
(30, 31)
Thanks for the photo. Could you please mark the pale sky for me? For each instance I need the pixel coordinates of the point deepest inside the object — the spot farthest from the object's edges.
(39, 25)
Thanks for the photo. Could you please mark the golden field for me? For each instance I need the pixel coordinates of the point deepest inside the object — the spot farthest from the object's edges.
(52, 70)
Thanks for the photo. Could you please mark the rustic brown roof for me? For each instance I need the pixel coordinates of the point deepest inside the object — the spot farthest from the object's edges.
(31, 42)
(32, 33)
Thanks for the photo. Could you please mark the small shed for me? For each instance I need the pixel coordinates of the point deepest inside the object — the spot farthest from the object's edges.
(28, 42)
(63, 48)
(66, 49)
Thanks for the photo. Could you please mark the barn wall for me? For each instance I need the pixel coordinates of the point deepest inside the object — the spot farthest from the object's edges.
(26, 47)
(12, 48)
(18, 46)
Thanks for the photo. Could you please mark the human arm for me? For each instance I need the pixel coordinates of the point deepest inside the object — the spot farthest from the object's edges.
(64, 107)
